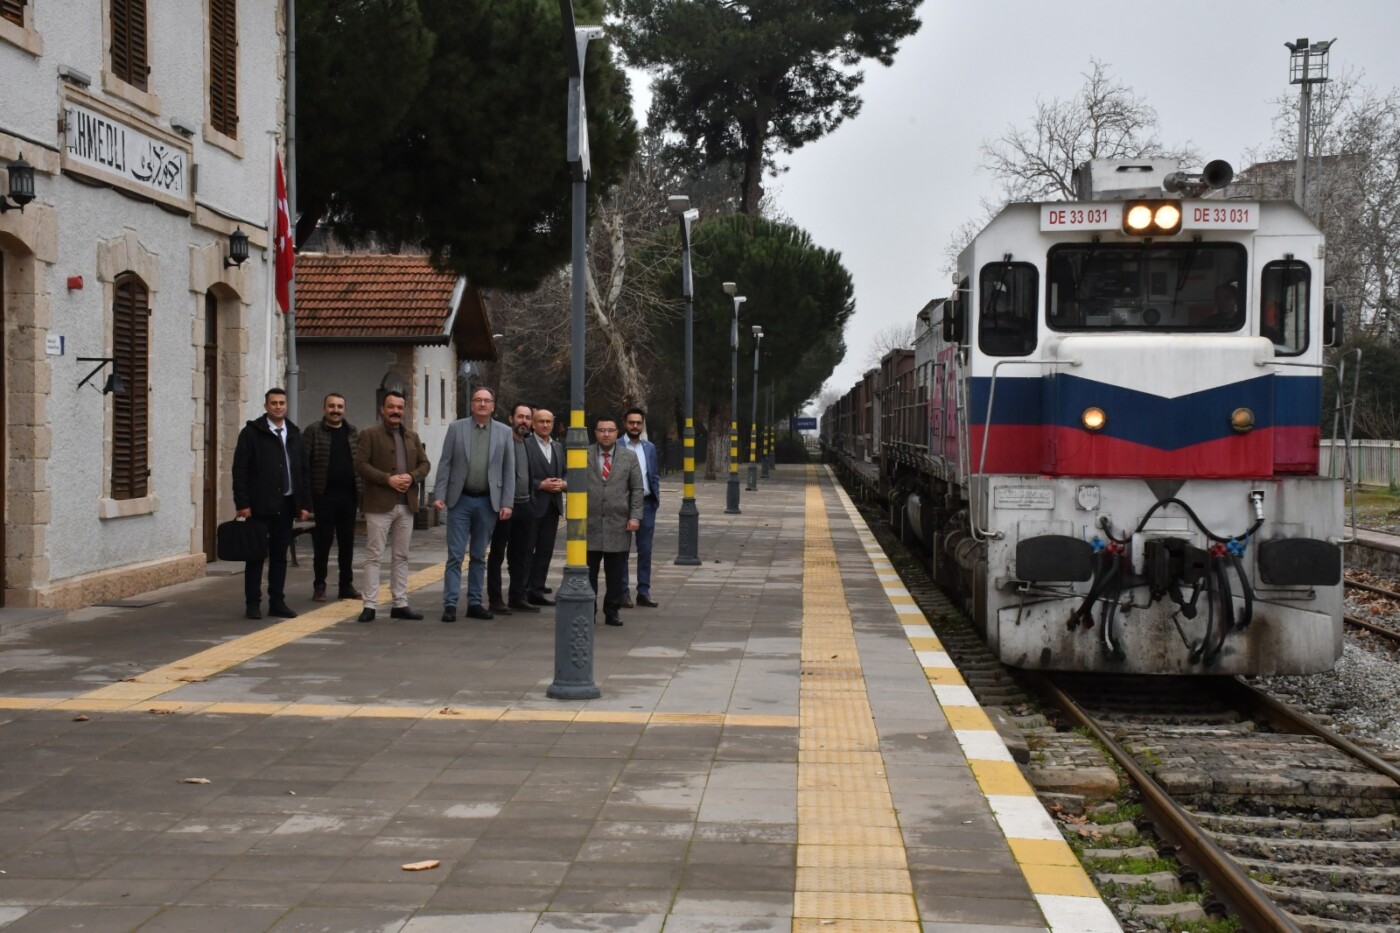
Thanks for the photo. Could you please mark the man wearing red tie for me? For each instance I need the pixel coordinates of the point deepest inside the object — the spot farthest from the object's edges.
(614, 512)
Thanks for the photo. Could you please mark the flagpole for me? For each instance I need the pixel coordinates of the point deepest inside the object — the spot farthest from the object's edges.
(293, 373)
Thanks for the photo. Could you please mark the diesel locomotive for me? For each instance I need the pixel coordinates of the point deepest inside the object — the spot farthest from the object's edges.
(1107, 436)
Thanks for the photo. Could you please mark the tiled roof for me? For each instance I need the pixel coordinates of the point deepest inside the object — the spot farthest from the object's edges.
(351, 295)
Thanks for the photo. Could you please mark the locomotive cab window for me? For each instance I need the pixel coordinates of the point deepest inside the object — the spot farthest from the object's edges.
(1181, 287)
(1283, 305)
(1006, 315)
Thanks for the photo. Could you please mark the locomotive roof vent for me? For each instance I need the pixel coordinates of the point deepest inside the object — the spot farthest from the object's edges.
(1120, 179)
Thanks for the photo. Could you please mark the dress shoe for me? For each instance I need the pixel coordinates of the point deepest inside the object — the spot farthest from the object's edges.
(540, 601)
(405, 612)
(251, 611)
(499, 607)
(318, 593)
(475, 611)
(612, 620)
(520, 605)
(549, 589)
(449, 613)
(627, 603)
(281, 611)
(645, 600)
(349, 592)
(366, 615)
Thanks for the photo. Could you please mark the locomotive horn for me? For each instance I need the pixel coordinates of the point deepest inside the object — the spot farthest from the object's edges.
(1217, 174)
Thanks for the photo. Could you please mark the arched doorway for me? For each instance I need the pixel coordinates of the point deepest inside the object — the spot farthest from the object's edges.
(211, 424)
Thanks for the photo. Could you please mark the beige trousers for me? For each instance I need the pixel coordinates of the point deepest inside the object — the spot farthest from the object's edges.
(397, 527)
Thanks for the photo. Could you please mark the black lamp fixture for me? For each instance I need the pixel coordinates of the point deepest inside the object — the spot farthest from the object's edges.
(237, 248)
(115, 384)
(21, 185)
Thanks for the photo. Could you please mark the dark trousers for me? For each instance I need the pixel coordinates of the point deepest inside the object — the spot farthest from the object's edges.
(546, 528)
(614, 562)
(512, 543)
(279, 539)
(335, 520)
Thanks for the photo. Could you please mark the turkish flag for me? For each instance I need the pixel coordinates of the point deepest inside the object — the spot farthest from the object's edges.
(284, 250)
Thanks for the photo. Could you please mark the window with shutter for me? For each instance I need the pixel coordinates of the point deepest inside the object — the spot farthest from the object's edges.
(128, 21)
(13, 10)
(130, 409)
(223, 66)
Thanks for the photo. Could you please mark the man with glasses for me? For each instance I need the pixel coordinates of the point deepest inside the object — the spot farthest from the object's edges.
(476, 485)
(547, 471)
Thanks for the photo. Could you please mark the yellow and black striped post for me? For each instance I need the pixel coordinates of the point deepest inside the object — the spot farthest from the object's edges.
(753, 412)
(731, 504)
(573, 614)
(688, 531)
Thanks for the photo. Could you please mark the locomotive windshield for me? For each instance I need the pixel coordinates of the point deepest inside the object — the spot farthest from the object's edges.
(1192, 287)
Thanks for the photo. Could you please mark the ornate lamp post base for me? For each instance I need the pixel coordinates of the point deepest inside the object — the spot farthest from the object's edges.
(573, 639)
(688, 552)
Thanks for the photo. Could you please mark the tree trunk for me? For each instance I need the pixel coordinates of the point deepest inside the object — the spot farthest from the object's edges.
(717, 451)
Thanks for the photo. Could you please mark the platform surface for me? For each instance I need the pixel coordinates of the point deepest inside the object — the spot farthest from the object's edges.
(782, 745)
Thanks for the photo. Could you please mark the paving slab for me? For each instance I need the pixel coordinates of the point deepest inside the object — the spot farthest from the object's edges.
(336, 753)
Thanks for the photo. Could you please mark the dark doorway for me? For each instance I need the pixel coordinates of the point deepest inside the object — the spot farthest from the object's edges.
(5, 420)
(211, 424)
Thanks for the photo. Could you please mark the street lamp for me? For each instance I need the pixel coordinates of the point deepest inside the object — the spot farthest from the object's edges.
(573, 614)
(753, 412)
(688, 538)
(731, 505)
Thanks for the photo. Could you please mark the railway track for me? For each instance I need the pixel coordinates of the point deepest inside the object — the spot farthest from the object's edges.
(1389, 632)
(1291, 826)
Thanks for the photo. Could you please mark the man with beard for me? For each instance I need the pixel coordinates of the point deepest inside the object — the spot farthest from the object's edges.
(634, 423)
(335, 494)
(513, 539)
(392, 462)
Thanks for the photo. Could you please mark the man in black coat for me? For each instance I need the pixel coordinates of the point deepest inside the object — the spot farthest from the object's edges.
(335, 494)
(271, 486)
(547, 481)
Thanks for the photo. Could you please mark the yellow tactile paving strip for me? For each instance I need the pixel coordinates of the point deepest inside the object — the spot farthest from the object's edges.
(852, 873)
(1066, 896)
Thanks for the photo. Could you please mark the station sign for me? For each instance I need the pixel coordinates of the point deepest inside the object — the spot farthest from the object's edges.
(804, 424)
(109, 145)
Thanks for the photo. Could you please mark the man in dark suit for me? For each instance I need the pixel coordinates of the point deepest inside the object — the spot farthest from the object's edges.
(271, 485)
(614, 512)
(476, 485)
(547, 472)
(635, 423)
(513, 540)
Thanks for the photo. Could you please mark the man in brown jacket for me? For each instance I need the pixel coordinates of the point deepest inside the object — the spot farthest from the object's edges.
(391, 461)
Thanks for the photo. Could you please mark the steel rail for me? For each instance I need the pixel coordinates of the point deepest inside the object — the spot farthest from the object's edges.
(1228, 881)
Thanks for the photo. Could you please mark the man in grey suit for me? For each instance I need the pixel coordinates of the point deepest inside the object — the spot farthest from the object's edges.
(547, 472)
(476, 484)
(614, 512)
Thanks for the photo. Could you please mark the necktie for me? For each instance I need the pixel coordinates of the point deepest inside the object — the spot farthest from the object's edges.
(285, 459)
(607, 464)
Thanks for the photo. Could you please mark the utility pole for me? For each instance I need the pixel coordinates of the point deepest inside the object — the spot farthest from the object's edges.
(1308, 66)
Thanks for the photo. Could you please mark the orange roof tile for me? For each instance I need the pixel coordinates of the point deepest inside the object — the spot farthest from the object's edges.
(389, 297)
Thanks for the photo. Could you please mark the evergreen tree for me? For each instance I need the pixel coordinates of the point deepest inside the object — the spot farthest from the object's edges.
(739, 82)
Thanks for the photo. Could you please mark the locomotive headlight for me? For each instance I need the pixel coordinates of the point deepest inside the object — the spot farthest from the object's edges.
(1152, 218)
(1138, 218)
(1093, 419)
(1242, 420)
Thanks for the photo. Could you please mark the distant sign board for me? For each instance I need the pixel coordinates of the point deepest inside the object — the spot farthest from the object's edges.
(804, 424)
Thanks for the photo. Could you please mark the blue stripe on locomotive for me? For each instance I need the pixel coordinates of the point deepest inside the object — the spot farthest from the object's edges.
(1144, 418)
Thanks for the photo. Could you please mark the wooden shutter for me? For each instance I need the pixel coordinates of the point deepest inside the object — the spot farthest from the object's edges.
(129, 61)
(13, 10)
(223, 66)
(130, 409)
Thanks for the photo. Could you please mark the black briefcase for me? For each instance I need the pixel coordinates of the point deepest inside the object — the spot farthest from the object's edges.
(242, 540)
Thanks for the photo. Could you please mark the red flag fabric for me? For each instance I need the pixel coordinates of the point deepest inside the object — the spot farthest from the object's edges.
(284, 252)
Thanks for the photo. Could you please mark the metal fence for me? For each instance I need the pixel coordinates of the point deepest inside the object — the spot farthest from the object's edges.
(1373, 463)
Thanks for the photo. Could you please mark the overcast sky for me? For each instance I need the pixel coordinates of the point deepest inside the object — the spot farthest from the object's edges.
(887, 189)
